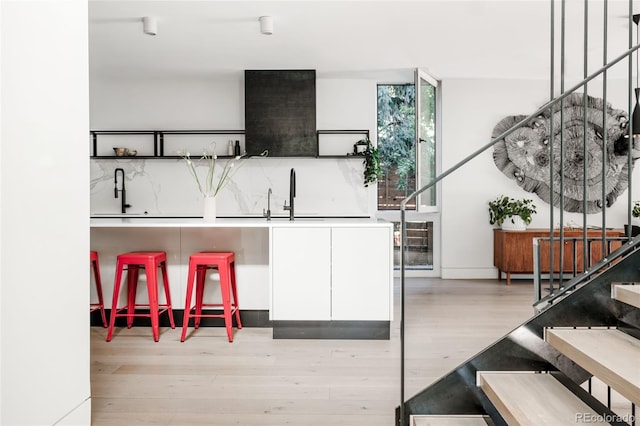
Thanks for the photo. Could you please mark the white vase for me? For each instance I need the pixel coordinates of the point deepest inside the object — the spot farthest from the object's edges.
(209, 209)
(514, 223)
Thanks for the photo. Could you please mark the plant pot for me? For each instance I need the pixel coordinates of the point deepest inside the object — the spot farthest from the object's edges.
(635, 230)
(514, 223)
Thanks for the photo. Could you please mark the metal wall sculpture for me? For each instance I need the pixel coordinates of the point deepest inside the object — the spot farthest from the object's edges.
(525, 154)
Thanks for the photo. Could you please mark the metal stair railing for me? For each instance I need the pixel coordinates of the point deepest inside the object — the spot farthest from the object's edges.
(547, 106)
(629, 246)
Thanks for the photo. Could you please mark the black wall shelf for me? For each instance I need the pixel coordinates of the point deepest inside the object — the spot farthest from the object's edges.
(159, 143)
(348, 146)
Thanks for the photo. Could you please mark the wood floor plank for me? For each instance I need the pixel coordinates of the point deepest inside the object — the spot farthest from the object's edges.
(260, 381)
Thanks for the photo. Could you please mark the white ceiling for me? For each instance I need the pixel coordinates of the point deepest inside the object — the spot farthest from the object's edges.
(385, 39)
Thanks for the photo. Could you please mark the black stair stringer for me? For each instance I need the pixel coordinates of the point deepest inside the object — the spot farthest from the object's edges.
(595, 404)
(524, 348)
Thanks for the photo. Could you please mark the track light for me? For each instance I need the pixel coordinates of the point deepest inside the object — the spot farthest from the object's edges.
(150, 25)
(266, 25)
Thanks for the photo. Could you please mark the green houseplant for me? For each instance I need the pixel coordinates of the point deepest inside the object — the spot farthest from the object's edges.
(505, 209)
(633, 229)
(372, 169)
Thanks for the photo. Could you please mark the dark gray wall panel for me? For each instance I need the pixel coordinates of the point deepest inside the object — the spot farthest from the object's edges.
(280, 112)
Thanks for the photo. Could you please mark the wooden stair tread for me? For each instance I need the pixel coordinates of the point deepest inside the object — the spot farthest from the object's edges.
(626, 293)
(531, 399)
(609, 354)
(448, 420)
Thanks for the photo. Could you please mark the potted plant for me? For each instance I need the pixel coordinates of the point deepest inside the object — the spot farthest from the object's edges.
(635, 214)
(510, 213)
(372, 169)
(209, 186)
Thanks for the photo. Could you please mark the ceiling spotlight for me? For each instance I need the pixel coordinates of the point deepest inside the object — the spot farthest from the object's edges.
(266, 25)
(150, 25)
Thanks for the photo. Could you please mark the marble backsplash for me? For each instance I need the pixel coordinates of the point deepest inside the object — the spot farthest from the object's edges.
(164, 187)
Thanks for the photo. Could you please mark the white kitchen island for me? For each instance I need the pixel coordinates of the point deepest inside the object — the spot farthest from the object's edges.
(308, 278)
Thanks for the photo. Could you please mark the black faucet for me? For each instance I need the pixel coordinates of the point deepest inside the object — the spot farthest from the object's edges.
(124, 206)
(267, 213)
(292, 194)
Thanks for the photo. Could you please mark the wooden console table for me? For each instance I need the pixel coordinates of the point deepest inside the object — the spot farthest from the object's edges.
(513, 250)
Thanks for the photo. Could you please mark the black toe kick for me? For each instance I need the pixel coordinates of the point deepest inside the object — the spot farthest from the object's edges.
(361, 330)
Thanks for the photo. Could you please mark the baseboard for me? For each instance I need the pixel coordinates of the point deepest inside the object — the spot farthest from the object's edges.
(250, 318)
(356, 330)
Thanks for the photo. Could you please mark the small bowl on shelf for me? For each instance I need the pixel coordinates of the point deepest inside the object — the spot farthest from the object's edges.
(120, 152)
(132, 152)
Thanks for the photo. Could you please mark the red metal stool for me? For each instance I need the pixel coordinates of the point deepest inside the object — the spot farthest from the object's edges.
(95, 266)
(199, 263)
(150, 261)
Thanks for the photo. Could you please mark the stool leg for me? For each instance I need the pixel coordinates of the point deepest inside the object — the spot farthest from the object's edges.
(201, 276)
(114, 303)
(187, 303)
(152, 288)
(96, 275)
(167, 293)
(225, 289)
(132, 289)
(235, 294)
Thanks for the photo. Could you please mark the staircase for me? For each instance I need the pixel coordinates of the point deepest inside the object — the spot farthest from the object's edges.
(584, 335)
(540, 373)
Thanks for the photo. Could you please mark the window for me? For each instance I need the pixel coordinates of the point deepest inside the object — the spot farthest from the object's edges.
(407, 113)
(396, 136)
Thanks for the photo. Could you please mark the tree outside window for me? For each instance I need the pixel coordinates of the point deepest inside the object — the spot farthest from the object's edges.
(396, 144)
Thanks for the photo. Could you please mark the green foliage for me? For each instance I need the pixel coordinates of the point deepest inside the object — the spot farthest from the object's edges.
(372, 169)
(396, 130)
(635, 212)
(504, 207)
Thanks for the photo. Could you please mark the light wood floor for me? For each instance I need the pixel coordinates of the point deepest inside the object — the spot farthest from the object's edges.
(260, 381)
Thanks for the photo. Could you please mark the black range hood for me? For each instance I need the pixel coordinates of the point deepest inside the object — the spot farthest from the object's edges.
(280, 112)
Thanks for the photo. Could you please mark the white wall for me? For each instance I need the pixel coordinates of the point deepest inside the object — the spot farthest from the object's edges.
(44, 231)
(471, 109)
(165, 188)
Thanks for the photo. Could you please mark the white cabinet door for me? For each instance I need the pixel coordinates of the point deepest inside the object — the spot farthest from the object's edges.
(362, 274)
(301, 274)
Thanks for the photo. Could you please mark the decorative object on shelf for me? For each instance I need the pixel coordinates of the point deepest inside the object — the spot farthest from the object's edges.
(526, 154)
(510, 213)
(132, 152)
(372, 169)
(120, 152)
(230, 150)
(360, 147)
(236, 149)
